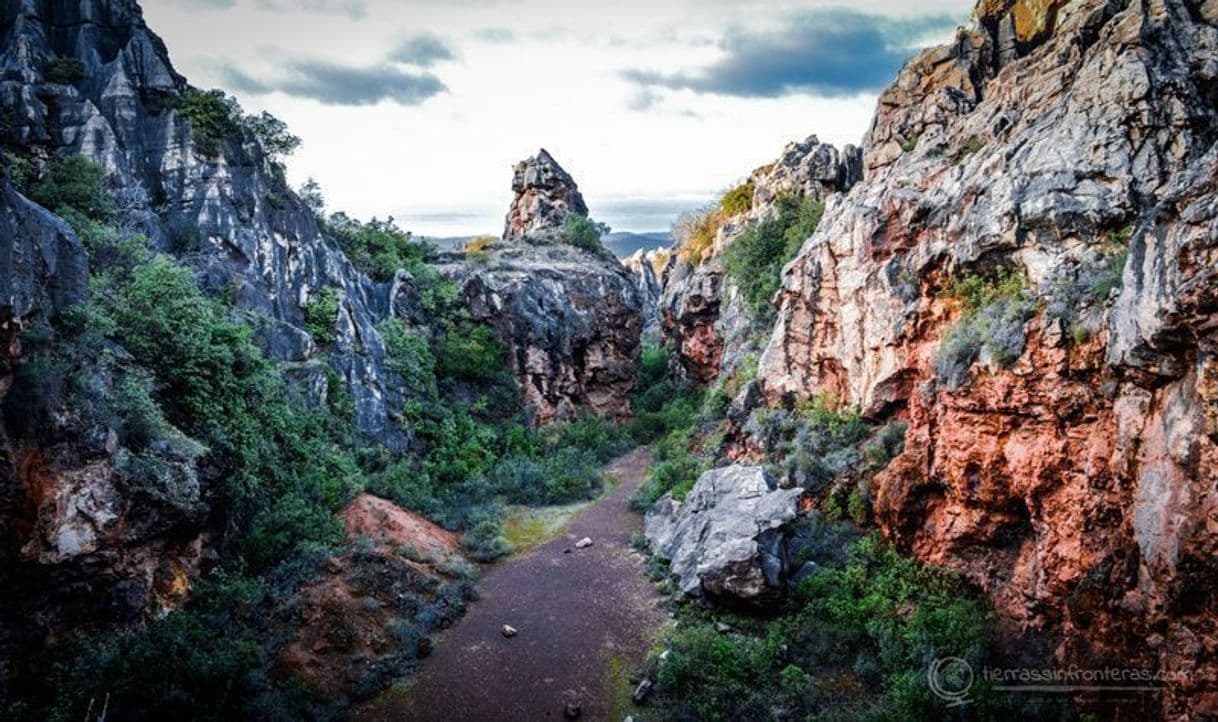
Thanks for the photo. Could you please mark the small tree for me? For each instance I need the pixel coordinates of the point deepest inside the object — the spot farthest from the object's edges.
(310, 193)
(273, 134)
(583, 232)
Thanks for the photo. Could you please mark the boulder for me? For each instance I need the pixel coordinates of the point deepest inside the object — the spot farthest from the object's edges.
(724, 539)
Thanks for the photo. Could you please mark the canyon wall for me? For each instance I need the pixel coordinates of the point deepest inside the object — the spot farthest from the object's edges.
(1061, 443)
(702, 316)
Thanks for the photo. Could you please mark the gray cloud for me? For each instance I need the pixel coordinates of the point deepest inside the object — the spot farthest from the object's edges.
(833, 52)
(333, 84)
(423, 50)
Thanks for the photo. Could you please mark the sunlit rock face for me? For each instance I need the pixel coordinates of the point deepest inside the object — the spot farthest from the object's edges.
(1075, 479)
(702, 316)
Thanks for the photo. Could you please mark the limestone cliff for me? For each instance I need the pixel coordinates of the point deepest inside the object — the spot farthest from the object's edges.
(1061, 441)
(701, 314)
(216, 199)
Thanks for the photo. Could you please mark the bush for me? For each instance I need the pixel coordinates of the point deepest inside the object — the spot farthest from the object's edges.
(215, 118)
(65, 71)
(695, 233)
(814, 443)
(1090, 283)
(272, 134)
(409, 356)
(380, 249)
(996, 312)
(737, 200)
(754, 260)
(74, 187)
(470, 352)
(854, 644)
(321, 315)
(583, 232)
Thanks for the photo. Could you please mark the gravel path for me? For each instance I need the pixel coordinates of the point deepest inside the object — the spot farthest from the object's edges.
(584, 617)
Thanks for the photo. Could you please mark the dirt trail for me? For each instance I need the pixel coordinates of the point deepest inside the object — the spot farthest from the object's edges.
(585, 617)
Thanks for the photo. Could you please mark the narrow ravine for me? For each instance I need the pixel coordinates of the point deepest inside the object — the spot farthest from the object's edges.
(584, 617)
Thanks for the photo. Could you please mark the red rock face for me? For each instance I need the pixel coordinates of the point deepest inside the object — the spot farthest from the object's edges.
(1078, 484)
(545, 195)
(350, 616)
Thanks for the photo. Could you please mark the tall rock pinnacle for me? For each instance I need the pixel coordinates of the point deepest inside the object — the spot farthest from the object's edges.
(545, 194)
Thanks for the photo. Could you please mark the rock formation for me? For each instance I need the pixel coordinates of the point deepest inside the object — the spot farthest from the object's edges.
(1072, 475)
(724, 539)
(545, 195)
(648, 268)
(570, 317)
(701, 313)
(221, 203)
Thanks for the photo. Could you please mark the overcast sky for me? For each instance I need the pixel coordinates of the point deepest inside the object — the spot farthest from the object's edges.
(418, 108)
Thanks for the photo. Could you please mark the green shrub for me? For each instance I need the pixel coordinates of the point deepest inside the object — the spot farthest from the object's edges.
(409, 356)
(996, 312)
(66, 71)
(470, 352)
(321, 314)
(854, 644)
(754, 260)
(583, 232)
(74, 187)
(215, 119)
(695, 234)
(737, 200)
(272, 134)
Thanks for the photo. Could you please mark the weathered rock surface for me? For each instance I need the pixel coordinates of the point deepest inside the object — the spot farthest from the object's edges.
(254, 236)
(571, 320)
(724, 539)
(545, 195)
(648, 268)
(1077, 483)
(365, 619)
(701, 313)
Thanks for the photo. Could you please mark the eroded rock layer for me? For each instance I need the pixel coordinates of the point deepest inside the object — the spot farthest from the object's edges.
(701, 313)
(1061, 449)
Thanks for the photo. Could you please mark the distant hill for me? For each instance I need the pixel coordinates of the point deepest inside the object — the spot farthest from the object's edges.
(621, 243)
(624, 243)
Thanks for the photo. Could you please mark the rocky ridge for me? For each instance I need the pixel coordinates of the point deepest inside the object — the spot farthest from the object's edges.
(701, 313)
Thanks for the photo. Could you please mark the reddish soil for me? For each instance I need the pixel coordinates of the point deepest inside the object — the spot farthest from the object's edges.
(584, 618)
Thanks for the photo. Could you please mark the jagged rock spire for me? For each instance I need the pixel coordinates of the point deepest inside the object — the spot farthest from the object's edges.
(545, 194)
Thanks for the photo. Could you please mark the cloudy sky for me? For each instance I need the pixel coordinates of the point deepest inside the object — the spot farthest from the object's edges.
(418, 108)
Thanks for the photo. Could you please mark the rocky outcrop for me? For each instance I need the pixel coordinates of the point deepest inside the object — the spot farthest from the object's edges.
(571, 321)
(220, 203)
(571, 318)
(368, 616)
(648, 267)
(545, 195)
(1071, 477)
(701, 314)
(724, 540)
